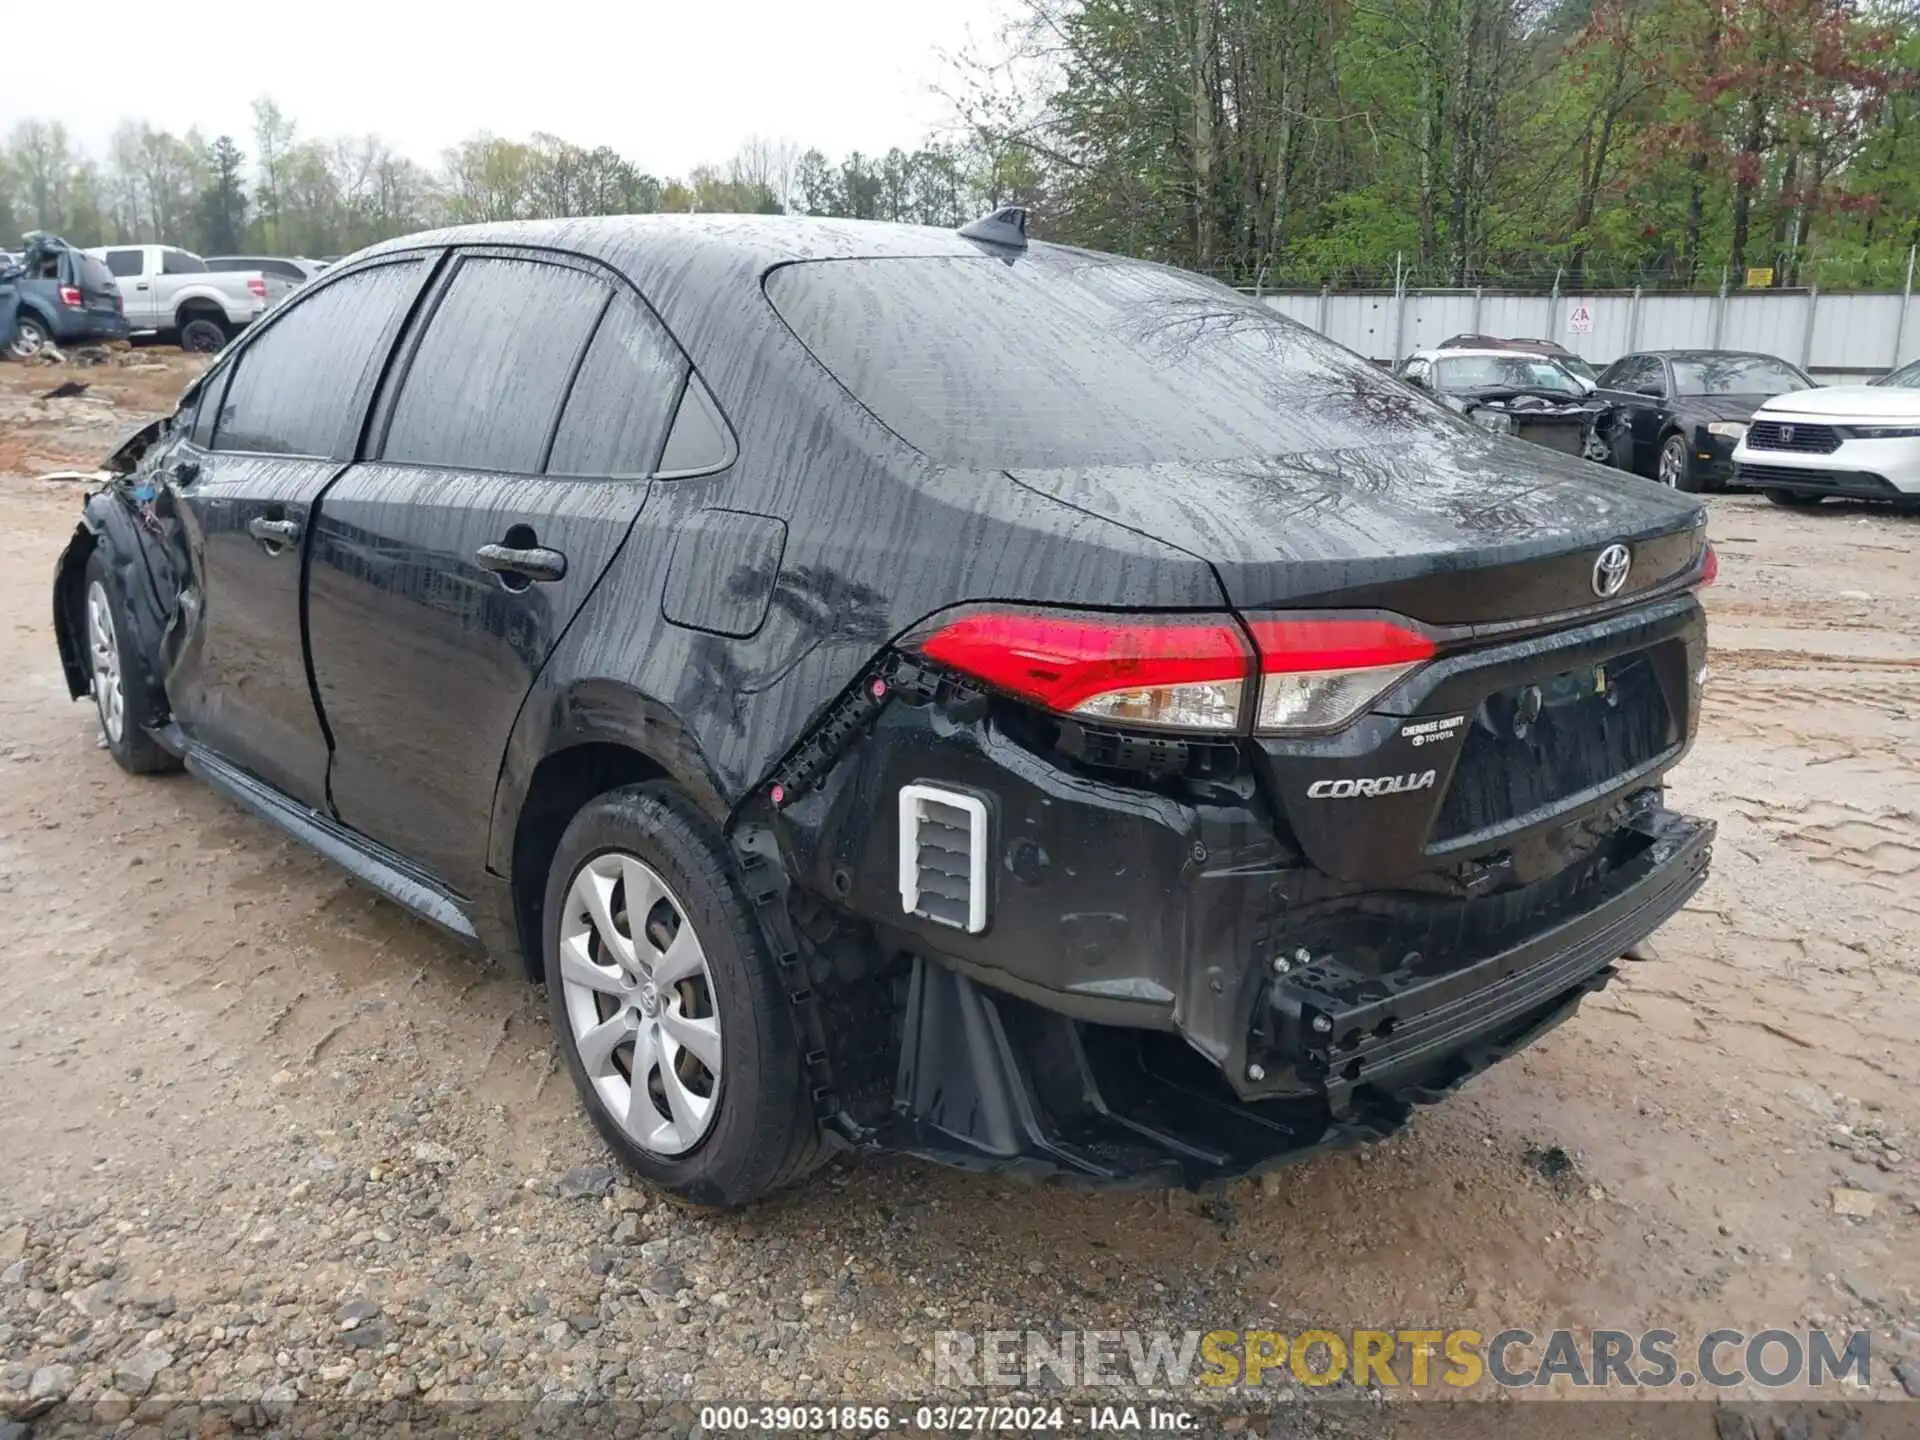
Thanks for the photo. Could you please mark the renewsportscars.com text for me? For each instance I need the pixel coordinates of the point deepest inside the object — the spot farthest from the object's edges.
(1402, 1358)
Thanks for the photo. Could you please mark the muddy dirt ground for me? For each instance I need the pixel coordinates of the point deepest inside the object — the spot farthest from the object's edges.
(238, 1093)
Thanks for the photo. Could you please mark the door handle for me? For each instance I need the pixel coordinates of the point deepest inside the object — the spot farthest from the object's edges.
(537, 563)
(273, 532)
(141, 286)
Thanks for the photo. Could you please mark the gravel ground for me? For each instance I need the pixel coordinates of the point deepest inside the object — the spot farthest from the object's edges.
(271, 1145)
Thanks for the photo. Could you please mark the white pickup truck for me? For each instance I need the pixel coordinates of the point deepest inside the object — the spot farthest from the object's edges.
(171, 292)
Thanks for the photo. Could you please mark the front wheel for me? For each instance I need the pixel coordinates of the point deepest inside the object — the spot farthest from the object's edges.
(111, 662)
(669, 1015)
(1676, 465)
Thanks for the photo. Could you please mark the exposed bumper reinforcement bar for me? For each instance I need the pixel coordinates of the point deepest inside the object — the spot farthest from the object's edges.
(1336, 1029)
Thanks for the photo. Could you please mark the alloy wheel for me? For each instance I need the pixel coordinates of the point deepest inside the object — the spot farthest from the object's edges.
(27, 342)
(1673, 465)
(641, 1004)
(103, 644)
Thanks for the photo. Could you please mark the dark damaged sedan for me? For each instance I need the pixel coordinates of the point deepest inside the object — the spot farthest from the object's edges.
(910, 689)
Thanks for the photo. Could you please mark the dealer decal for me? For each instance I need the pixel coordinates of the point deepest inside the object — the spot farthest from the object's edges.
(1432, 732)
(1375, 785)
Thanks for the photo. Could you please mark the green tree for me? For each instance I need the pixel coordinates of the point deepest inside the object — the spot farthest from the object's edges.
(222, 204)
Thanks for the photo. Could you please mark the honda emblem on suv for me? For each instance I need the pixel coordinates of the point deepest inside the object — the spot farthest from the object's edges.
(1610, 571)
(1786, 434)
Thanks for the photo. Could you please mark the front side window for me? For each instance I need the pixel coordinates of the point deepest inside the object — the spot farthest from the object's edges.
(179, 262)
(124, 263)
(293, 390)
(484, 387)
(616, 418)
(1906, 378)
(1736, 375)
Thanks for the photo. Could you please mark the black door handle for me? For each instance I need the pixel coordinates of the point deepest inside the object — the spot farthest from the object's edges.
(273, 532)
(537, 563)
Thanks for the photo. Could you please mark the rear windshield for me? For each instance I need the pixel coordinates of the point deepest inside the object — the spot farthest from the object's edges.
(1736, 375)
(1057, 359)
(94, 274)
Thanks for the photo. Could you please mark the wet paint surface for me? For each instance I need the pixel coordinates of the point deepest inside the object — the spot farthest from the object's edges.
(1317, 480)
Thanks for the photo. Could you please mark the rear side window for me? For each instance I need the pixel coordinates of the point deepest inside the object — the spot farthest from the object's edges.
(293, 387)
(484, 387)
(179, 262)
(124, 262)
(1060, 359)
(93, 274)
(616, 417)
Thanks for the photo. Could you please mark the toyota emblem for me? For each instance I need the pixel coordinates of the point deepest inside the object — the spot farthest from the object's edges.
(1610, 571)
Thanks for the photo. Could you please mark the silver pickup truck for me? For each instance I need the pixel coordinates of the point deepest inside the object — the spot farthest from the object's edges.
(171, 292)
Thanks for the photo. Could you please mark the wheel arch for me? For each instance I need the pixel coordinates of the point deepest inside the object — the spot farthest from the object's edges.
(32, 307)
(567, 747)
(199, 307)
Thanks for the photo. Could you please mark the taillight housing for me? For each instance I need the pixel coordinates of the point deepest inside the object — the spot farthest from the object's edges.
(1273, 674)
(1709, 567)
(1185, 672)
(71, 297)
(1320, 673)
(258, 287)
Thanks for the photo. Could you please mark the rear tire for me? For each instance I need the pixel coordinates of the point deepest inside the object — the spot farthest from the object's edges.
(201, 336)
(694, 1082)
(30, 337)
(1794, 499)
(110, 660)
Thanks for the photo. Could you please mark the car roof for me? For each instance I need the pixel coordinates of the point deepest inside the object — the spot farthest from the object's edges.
(651, 243)
(1701, 355)
(702, 272)
(1455, 352)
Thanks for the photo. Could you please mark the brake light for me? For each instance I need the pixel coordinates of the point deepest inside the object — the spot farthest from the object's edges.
(1181, 671)
(1319, 674)
(1709, 567)
(70, 296)
(257, 286)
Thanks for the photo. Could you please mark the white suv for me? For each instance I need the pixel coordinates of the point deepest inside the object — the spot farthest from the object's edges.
(1861, 441)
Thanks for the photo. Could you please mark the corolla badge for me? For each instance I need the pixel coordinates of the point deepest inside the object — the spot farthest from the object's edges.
(1610, 571)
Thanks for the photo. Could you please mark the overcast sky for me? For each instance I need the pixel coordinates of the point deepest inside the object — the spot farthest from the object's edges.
(669, 85)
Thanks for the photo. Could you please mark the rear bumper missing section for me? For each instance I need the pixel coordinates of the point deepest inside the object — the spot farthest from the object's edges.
(989, 1081)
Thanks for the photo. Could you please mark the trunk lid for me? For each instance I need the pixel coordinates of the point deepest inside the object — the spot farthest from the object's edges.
(1452, 531)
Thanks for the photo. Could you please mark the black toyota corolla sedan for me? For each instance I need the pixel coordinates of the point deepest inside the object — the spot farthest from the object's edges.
(913, 689)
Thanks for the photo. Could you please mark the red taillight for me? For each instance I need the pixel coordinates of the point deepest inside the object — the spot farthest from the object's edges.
(1709, 566)
(1188, 671)
(1321, 673)
(258, 287)
(1303, 643)
(70, 296)
(1183, 671)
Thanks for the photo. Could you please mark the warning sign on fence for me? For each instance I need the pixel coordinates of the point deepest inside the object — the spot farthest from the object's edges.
(1580, 320)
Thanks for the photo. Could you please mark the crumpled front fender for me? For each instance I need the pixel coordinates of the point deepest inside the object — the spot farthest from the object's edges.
(137, 558)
